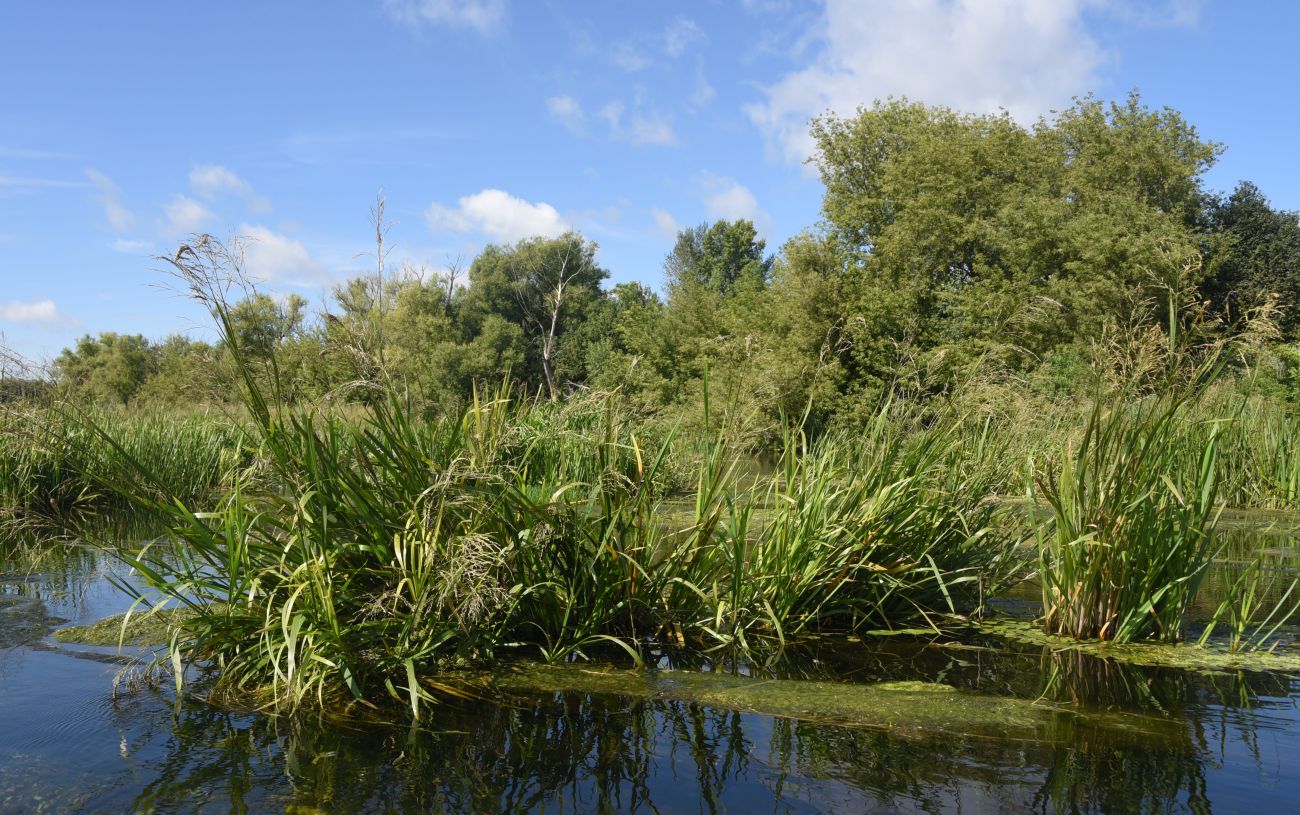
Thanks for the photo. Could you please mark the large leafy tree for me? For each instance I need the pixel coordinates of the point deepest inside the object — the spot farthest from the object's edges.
(972, 239)
(1255, 255)
(722, 257)
(547, 287)
(109, 368)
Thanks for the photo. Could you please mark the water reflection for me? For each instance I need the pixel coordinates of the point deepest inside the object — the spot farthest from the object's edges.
(70, 744)
(575, 752)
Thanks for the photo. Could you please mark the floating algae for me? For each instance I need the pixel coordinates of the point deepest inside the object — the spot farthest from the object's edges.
(903, 708)
(144, 629)
(1156, 655)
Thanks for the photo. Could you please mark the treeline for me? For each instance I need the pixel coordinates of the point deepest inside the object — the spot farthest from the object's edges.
(952, 248)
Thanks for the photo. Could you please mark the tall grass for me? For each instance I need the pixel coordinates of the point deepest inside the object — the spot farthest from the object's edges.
(54, 461)
(886, 527)
(379, 551)
(1131, 530)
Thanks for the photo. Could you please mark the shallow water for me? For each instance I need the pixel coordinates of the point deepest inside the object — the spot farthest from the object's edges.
(72, 741)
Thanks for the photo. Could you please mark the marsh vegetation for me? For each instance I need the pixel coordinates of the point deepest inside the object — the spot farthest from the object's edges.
(1053, 372)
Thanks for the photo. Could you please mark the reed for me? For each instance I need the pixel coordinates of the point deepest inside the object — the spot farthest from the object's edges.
(1132, 528)
(376, 552)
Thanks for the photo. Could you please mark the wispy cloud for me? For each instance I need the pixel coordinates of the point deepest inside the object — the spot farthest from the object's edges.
(567, 111)
(629, 58)
(483, 16)
(665, 223)
(212, 180)
(499, 215)
(130, 247)
(33, 155)
(681, 33)
(1025, 56)
(37, 312)
(20, 182)
(641, 127)
(119, 217)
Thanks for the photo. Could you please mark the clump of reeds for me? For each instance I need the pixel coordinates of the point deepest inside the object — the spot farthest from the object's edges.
(376, 551)
(1131, 533)
(54, 461)
(1134, 500)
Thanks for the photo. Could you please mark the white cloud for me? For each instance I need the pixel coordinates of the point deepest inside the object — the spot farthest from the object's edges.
(680, 34)
(211, 180)
(628, 58)
(642, 128)
(665, 222)
(612, 113)
(40, 312)
(651, 130)
(185, 215)
(37, 183)
(568, 111)
(729, 200)
(130, 247)
(117, 214)
(499, 215)
(1026, 56)
(484, 16)
(704, 92)
(276, 258)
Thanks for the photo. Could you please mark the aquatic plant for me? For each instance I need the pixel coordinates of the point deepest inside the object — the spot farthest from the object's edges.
(54, 460)
(378, 550)
(1130, 533)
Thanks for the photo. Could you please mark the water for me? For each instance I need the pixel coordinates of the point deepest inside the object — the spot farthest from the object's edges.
(73, 741)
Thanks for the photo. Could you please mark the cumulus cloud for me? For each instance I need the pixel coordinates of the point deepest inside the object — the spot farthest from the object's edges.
(483, 16)
(110, 198)
(729, 200)
(185, 215)
(665, 223)
(499, 215)
(680, 35)
(38, 312)
(568, 111)
(276, 258)
(1025, 56)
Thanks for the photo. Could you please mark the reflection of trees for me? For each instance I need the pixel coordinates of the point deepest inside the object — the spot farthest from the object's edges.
(585, 753)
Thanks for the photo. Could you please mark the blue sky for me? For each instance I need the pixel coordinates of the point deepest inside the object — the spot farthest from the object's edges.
(126, 126)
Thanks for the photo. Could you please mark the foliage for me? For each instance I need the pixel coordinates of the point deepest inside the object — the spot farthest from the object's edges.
(1255, 255)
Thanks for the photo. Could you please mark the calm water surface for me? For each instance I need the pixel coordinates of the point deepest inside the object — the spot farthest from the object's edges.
(73, 741)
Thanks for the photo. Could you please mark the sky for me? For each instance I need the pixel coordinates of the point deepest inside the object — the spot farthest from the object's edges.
(126, 127)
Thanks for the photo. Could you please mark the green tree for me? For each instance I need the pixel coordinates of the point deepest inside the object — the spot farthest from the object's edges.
(109, 368)
(1255, 254)
(547, 287)
(975, 240)
(722, 257)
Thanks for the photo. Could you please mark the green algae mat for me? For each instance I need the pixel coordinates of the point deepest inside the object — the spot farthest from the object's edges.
(145, 628)
(903, 708)
(1187, 656)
